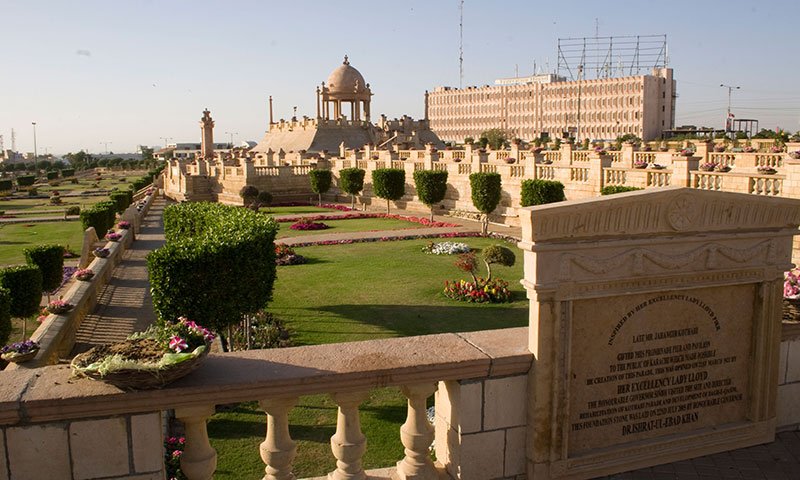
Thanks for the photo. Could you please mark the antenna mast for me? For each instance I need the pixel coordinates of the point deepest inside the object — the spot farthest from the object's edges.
(461, 44)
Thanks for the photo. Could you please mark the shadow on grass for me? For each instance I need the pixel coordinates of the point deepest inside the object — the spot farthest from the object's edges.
(410, 320)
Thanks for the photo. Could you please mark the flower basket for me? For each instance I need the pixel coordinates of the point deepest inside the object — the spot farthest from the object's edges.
(84, 275)
(719, 148)
(113, 237)
(59, 307)
(101, 252)
(686, 153)
(707, 167)
(124, 225)
(795, 155)
(722, 168)
(748, 149)
(509, 160)
(545, 161)
(766, 170)
(640, 165)
(662, 149)
(656, 166)
(19, 357)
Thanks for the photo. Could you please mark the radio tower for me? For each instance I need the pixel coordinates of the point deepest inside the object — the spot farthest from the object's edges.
(13, 141)
(461, 44)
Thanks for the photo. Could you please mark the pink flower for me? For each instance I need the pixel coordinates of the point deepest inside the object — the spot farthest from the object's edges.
(177, 453)
(177, 343)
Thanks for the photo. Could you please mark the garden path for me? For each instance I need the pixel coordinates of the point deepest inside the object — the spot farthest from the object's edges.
(124, 306)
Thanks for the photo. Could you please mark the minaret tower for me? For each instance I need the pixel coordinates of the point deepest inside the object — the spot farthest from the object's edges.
(207, 136)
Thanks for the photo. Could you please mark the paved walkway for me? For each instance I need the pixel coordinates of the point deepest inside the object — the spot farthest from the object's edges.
(124, 306)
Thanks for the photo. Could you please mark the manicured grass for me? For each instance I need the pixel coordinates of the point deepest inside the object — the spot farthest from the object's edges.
(386, 289)
(15, 237)
(296, 210)
(350, 225)
(359, 292)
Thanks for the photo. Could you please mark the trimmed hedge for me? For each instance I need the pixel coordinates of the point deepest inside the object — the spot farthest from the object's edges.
(351, 181)
(320, 181)
(612, 189)
(539, 192)
(52, 175)
(5, 315)
(486, 190)
(121, 200)
(67, 172)
(101, 216)
(6, 184)
(431, 186)
(389, 184)
(218, 264)
(24, 282)
(26, 180)
(50, 260)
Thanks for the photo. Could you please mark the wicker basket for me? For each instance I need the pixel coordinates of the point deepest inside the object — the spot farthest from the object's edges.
(140, 379)
(19, 358)
(791, 310)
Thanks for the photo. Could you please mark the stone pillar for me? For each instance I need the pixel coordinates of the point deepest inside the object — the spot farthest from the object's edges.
(702, 150)
(681, 166)
(515, 151)
(627, 155)
(596, 174)
(348, 444)
(278, 450)
(206, 135)
(199, 460)
(318, 110)
(431, 155)
(342, 150)
(417, 435)
(566, 153)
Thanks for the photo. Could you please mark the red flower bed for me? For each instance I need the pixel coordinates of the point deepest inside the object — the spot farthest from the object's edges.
(408, 237)
(307, 224)
(350, 216)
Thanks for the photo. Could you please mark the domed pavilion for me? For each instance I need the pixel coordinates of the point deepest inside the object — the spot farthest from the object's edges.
(345, 85)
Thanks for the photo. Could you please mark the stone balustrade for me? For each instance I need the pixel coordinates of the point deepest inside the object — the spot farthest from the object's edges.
(93, 430)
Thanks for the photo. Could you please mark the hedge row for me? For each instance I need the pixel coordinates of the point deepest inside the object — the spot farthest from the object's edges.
(101, 216)
(67, 172)
(539, 192)
(26, 180)
(218, 264)
(50, 260)
(24, 283)
(612, 189)
(5, 315)
(6, 184)
(121, 199)
(51, 175)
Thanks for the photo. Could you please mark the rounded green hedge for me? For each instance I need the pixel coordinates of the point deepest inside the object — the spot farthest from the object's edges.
(539, 192)
(101, 216)
(612, 189)
(486, 189)
(6, 184)
(26, 180)
(218, 264)
(431, 185)
(24, 282)
(389, 184)
(5, 315)
(50, 260)
(320, 180)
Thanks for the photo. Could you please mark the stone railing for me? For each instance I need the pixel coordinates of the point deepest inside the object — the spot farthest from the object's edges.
(479, 379)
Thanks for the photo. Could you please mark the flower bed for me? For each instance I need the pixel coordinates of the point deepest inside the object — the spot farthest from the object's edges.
(285, 255)
(66, 274)
(409, 237)
(306, 204)
(351, 216)
(446, 248)
(307, 224)
(493, 291)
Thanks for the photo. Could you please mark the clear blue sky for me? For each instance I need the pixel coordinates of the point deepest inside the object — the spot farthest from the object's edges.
(130, 72)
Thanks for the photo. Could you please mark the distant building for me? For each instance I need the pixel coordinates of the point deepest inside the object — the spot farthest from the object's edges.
(527, 107)
(190, 150)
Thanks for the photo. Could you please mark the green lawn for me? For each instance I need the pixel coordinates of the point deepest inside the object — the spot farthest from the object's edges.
(296, 210)
(349, 225)
(15, 237)
(359, 292)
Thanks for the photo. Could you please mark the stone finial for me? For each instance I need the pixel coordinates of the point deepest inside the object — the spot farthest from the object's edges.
(346, 62)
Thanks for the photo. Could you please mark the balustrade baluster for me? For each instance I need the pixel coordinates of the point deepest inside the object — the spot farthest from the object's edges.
(417, 435)
(198, 460)
(278, 450)
(348, 444)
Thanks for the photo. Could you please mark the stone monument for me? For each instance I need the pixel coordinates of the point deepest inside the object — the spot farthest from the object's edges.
(207, 136)
(655, 324)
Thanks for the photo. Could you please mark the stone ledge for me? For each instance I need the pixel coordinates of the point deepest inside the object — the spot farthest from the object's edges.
(49, 394)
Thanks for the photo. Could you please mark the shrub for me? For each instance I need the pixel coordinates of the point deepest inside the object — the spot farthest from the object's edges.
(320, 182)
(497, 254)
(67, 172)
(539, 192)
(264, 198)
(101, 216)
(227, 253)
(6, 184)
(32, 192)
(389, 184)
(52, 175)
(55, 200)
(5, 314)
(351, 181)
(485, 194)
(24, 282)
(612, 189)
(73, 210)
(26, 180)
(121, 200)
(249, 194)
(431, 186)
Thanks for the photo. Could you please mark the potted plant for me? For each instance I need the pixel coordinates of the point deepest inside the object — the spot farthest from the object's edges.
(537, 150)
(84, 274)
(765, 169)
(719, 148)
(123, 225)
(59, 307)
(19, 352)
(686, 152)
(640, 164)
(748, 149)
(113, 236)
(101, 252)
(657, 166)
(509, 160)
(775, 149)
(150, 359)
(722, 168)
(795, 155)
(707, 167)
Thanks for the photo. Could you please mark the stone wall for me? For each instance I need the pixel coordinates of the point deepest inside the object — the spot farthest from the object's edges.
(789, 379)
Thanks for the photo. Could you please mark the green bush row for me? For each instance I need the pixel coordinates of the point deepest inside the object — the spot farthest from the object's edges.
(26, 180)
(612, 189)
(6, 184)
(539, 192)
(218, 264)
(51, 175)
(5, 315)
(50, 260)
(67, 172)
(101, 216)
(121, 199)
(24, 282)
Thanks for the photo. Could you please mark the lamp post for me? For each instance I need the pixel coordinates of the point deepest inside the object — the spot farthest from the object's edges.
(231, 134)
(35, 154)
(578, 127)
(727, 119)
(106, 146)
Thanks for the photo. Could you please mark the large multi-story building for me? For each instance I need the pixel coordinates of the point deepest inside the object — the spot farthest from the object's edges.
(600, 109)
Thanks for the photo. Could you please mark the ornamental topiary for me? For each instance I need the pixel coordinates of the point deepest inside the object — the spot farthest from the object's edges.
(26, 180)
(50, 260)
(497, 254)
(539, 192)
(264, 198)
(320, 182)
(389, 184)
(5, 315)
(486, 189)
(612, 189)
(100, 216)
(24, 282)
(218, 264)
(431, 186)
(249, 194)
(351, 181)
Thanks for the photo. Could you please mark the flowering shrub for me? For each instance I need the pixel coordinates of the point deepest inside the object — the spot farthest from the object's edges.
(20, 348)
(173, 449)
(285, 255)
(113, 236)
(307, 224)
(639, 164)
(124, 225)
(55, 200)
(181, 335)
(58, 307)
(493, 291)
(446, 248)
(766, 169)
(101, 252)
(791, 284)
(85, 274)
